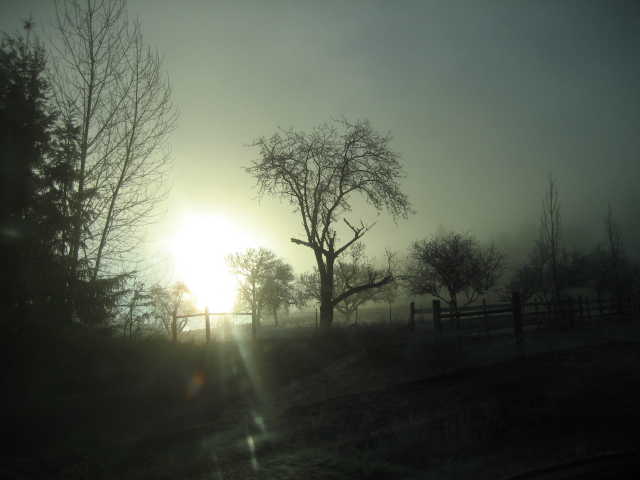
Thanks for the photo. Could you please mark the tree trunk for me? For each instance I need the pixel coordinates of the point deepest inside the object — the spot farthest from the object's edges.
(326, 314)
(326, 298)
(174, 325)
(348, 314)
(254, 322)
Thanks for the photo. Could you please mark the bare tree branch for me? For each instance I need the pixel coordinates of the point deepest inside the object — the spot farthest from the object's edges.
(110, 85)
(452, 265)
(319, 173)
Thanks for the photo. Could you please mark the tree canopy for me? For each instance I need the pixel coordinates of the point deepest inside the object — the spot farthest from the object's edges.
(264, 281)
(113, 96)
(452, 266)
(32, 220)
(169, 302)
(83, 130)
(320, 174)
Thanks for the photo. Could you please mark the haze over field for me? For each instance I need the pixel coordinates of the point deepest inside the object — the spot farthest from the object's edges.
(485, 100)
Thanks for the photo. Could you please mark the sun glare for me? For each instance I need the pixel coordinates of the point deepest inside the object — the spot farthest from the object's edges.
(198, 249)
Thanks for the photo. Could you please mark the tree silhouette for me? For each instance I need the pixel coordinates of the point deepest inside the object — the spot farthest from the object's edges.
(610, 272)
(553, 268)
(32, 270)
(320, 173)
(353, 269)
(262, 281)
(167, 302)
(109, 85)
(136, 314)
(522, 280)
(452, 266)
(280, 289)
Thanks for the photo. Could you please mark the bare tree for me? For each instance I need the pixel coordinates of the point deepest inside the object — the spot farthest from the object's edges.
(143, 312)
(599, 271)
(549, 247)
(452, 265)
(610, 261)
(261, 275)
(354, 269)
(110, 86)
(169, 302)
(319, 173)
(522, 280)
(554, 269)
(615, 249)
(280, 289)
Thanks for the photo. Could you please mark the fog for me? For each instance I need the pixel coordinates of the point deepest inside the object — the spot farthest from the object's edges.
(485, 101)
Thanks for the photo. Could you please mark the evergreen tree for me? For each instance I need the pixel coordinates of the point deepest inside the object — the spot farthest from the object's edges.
(32, 273)
(38, 167)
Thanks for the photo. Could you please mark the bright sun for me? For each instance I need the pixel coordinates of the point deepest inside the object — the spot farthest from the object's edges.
(198, 248)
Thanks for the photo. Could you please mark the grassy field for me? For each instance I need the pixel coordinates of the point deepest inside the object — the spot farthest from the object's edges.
(367, 402)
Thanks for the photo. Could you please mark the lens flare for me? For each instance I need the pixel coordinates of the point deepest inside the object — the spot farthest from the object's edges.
(195, 383)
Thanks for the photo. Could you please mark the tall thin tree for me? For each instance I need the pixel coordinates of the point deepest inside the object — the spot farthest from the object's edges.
(614, 249)
(110, 85)
(554, 270)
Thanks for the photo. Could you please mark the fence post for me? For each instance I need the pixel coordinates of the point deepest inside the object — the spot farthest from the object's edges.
(581, 312)
(535, 306)
(517, 315)
(390, 317)
(571, 312)
(174, 325)
(412, 316)
(254, 323)
(207, 324)
(486, 317)
(316, 322)
(437, 321)
(356, 315)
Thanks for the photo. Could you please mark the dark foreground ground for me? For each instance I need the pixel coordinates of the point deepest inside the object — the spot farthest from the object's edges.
(365, 403)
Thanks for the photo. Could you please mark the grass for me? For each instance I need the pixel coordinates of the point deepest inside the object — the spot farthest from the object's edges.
(363, 402)
(538, 410)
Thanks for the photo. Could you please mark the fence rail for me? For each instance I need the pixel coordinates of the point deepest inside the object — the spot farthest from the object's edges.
(565, 314)
(299, 320)
(207, 319)
(484, 319)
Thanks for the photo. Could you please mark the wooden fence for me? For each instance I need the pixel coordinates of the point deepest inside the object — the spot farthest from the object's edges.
(513, 317)
(566, 314)
(382, 315)
(206, 314)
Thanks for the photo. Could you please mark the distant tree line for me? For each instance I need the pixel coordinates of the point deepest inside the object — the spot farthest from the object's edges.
(553, 271)
(317, 173)
(456, 265)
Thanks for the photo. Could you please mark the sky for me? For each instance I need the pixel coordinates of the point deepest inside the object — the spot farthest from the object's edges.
(485, 100)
